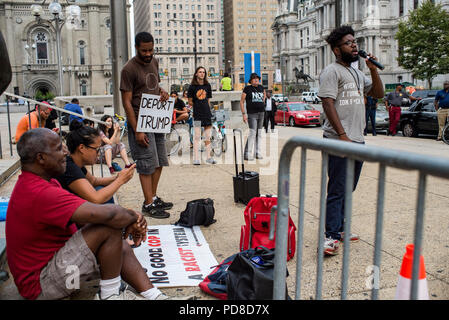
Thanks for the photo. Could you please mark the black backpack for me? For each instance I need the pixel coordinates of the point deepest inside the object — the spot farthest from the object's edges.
(198, 212)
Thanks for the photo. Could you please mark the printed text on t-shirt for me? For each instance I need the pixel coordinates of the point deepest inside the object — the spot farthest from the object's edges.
(348, 96)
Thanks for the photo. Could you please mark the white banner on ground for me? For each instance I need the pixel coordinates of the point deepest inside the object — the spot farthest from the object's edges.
(154, 115)
(175, 256)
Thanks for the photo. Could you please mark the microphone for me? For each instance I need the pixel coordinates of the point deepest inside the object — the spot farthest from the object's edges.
(363, 54)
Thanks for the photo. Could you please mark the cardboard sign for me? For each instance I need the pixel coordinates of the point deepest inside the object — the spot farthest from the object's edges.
(175, 256)
(154, 115)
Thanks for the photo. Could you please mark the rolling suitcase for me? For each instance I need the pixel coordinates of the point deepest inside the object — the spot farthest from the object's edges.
(246, 183)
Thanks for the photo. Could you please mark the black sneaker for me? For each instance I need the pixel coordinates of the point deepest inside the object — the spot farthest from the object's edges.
(162, 204)
(153, 211)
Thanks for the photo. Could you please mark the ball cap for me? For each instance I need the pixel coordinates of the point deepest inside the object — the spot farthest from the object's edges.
(253, 76)
(45, 102)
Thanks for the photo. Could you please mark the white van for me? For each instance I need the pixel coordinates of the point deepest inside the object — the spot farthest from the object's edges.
(310, 97)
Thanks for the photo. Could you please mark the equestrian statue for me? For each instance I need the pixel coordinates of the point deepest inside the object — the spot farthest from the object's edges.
(301, 75)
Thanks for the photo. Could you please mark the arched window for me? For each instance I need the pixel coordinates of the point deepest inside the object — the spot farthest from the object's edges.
(82, 48)
(83, 87)
(41, 40)
(109, 50)
(111, 87)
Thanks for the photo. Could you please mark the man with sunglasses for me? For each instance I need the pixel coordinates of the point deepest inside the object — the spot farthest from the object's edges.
(342, 91)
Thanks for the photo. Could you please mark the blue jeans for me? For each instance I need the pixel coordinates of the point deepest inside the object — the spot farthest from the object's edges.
(335, 202)
(370, 114)
(111, 201)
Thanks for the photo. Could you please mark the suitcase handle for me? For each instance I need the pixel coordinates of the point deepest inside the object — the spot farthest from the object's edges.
(272, 229)
(235, 154)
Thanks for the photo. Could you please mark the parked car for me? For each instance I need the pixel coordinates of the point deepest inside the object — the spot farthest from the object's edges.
(297, 113)
(420, 118)
(419, 94)
(310, 97)
(382, 119)
(279, 97)
(424, 93)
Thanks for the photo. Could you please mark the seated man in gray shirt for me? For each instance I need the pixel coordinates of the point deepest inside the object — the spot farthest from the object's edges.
(342, 90)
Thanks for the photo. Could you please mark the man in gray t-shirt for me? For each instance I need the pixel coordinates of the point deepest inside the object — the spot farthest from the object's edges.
(346, 86)
(342, 91)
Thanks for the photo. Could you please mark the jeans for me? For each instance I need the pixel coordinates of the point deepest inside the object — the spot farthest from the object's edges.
(335, 202)
(255, 123)
(370, 115)
(110, 201)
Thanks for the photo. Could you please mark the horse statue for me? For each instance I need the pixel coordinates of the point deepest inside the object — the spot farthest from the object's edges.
(301, 75)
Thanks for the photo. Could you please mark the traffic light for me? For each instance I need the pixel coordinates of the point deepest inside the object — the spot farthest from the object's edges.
(166, 72)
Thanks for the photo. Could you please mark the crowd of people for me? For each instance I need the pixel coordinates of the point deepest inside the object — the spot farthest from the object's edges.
(66, 216)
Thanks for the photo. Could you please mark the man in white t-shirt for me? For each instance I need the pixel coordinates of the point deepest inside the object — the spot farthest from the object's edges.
(342, 91)
(270, 111)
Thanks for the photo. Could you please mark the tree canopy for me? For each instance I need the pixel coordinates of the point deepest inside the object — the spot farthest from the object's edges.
(424, 42)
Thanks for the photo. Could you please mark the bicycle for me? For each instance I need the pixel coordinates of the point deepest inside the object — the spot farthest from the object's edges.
(445, 134)
(218, 134)
(172, 141)
(123, 125)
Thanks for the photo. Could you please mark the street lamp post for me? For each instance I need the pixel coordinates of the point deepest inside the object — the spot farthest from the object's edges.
(58, 27)
(73, 13)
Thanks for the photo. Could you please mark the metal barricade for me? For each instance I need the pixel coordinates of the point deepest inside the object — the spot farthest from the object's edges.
(28, 101)
(352, 151)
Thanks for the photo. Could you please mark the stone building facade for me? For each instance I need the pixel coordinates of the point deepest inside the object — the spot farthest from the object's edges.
(170, 23)
(302, 25)
(247, 28)
(86, 50)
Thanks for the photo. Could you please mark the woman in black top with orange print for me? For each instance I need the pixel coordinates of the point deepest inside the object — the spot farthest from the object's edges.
(199, 96)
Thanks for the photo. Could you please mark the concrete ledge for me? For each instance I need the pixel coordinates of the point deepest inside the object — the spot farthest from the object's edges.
(7, 168)
(2, 253)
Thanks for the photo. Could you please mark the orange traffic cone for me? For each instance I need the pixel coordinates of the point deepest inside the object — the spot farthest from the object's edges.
(405, 277)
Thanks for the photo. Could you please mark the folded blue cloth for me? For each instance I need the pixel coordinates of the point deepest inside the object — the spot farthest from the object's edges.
(3, 208)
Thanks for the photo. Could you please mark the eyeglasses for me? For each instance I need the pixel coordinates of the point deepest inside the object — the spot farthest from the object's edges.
(96, 149)
(349, 43)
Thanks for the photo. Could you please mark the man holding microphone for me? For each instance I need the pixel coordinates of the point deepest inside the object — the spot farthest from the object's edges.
(342, 91)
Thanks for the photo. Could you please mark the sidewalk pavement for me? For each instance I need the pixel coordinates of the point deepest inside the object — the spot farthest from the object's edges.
(181, 183)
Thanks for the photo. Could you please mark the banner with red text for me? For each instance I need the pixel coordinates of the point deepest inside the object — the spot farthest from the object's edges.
(175, 256)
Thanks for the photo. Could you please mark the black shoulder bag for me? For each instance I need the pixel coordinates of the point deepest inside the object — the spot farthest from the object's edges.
(198, 212)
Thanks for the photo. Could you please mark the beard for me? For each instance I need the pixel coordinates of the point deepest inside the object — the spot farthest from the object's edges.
(348, 57)
(145, 59)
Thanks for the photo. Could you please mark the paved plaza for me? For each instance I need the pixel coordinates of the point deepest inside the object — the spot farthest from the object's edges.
(182, 182)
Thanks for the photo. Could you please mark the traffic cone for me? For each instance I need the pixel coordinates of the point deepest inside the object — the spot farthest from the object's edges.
(403, 289)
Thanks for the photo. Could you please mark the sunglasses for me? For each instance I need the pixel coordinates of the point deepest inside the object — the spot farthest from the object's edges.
(96, 149)
(349, 43)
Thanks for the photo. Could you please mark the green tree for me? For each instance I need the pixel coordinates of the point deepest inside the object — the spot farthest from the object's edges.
(424, 42)
(44, 96)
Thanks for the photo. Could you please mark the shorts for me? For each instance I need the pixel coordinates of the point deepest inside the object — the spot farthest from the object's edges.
(202, 121)
(59, 278)
(116, 148)
(148, 159)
